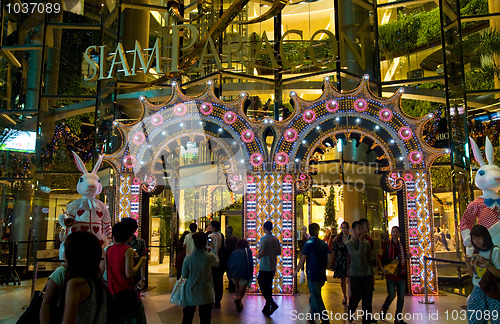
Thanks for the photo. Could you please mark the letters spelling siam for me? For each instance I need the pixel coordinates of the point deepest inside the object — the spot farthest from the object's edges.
(143, 59)
(270, 191)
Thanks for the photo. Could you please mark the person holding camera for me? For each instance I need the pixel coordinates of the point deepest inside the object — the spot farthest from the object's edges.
(485, 257)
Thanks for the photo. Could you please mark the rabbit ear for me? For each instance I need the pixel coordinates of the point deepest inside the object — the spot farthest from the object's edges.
(98, 164)
(477, 153)
(79, 163)
(489, 151)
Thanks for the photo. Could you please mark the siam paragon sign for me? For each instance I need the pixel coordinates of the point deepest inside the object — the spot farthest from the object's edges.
(150, 60)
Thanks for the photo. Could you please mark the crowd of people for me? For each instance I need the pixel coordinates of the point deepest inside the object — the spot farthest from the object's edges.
(350, 254)
(78, 293)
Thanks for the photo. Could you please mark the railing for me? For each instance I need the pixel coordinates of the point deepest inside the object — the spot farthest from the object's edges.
(14, 256)
(426, 294)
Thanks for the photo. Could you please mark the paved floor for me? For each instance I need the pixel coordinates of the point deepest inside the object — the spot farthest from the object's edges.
(446, 309)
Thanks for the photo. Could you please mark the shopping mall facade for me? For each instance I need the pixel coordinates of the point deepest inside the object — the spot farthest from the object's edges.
(298, 112)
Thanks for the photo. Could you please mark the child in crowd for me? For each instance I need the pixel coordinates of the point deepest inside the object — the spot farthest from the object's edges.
(120, 271)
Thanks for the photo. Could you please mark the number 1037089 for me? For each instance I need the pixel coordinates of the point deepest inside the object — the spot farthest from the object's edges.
(33, 7)
(474, 315)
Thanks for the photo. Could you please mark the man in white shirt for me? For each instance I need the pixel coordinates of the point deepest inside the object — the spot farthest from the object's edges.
(188, 240)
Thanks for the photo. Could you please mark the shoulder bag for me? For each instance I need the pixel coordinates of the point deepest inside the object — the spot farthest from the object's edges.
(489, 283)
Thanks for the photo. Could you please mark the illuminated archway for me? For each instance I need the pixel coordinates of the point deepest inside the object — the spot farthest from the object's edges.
(270, 179)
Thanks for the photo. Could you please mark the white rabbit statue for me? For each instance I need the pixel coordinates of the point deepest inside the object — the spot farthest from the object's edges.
(485, 209)
(87, 213)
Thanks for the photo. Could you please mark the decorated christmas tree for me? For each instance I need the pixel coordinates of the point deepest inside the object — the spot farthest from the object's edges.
(330, 210)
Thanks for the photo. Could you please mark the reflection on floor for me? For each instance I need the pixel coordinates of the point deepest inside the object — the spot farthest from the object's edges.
(159, 310)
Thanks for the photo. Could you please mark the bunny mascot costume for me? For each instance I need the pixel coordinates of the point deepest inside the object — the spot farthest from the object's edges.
(485, 209)
(87, 214)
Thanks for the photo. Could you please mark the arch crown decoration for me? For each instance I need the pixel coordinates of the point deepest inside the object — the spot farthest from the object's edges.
(269, 179)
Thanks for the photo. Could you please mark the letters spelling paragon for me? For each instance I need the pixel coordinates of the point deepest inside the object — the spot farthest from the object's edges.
(143, 58)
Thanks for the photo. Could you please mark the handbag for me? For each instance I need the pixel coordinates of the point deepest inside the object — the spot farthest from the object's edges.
(302, 277)
(489, 283)
(392, 267)
(178, 292)
(32, 313)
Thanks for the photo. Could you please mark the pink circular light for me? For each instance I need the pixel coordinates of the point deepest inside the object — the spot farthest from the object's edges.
(291, 135)
(247, 136)
(287, 289)
(129, 161)
(230, 118)
(287, 215)
(416, 157)
(309, 116)
(206, 108)
(134, 215)
(287, 197)
(251, 215)
(405, 133)
(180, 109)
(360, 105)
(156, 119)
(256, 159)
(413, 232)
(412, 213)
(139, 138)
(236, 178)
(415, 270)
(332, 106)
(250, 179)
(287, 233)
(287, 252)
(410, 195)
(134, 198)
(136, 181)
(251, 197)
(415, 251)
(282, 158)
(394, 175)
(288, 178)
(408, 176)
(251, 233)
(385, 115)
(302, 177)
(416, 288)
(287, 271)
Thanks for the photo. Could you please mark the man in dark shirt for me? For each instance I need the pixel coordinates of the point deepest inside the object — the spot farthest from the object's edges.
(318, 257)
(393, 251)
(270, 248)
